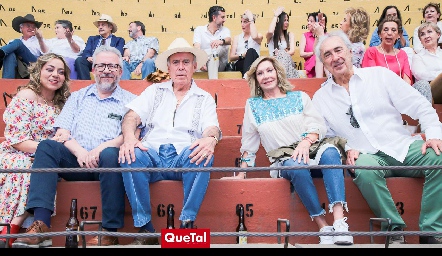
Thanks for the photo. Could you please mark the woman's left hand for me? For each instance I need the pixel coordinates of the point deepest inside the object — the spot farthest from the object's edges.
(302, 151)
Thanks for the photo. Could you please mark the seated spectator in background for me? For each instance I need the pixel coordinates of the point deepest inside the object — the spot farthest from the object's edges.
(214, 37)
(427, 64)
(385, 55)
(287, 125)
(402, 41)
(281, 42)
(140, 53)
(29, 118)
(182, 131)
(307, 43)
(376, 135)
(246, 47)
(92, 119)
(106, 29)
(65, 43)
(356, 24)
(26, 48)
(430, 13)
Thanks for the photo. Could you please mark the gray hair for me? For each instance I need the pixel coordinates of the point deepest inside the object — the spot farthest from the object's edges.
(194, 60)
(428, 24)
(106, 48)
(339, 33)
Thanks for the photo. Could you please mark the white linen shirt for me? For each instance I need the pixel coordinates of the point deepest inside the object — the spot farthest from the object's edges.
(426, 65)
(378, 97)
(204, 37)
(33, 45)
(63, 48)
(417, 45)
(164, 124)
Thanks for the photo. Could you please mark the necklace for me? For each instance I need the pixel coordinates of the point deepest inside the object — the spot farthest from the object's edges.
(46, 101)
(395, 55)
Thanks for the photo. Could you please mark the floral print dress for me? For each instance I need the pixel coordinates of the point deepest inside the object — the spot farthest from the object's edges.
(25, 120)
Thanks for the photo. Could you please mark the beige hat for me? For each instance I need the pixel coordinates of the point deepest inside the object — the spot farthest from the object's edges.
(180, 45)
(107, 18)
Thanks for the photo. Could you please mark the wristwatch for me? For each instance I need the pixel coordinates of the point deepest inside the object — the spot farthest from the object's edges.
(241, 57)
(224, 41)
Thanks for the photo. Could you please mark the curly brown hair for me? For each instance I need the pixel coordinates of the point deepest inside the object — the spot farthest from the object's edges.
(62, 93)
(359, 24)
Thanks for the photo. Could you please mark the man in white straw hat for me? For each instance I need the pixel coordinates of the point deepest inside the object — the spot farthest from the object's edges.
(180, 130)
(25, 49)
(106, 29)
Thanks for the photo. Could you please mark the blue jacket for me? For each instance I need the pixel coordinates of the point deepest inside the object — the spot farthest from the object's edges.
(92, 42)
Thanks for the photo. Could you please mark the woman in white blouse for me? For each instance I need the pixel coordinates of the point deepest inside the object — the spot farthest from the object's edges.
(431, 13)
(427, 64)
(292, 133)
(246, 46)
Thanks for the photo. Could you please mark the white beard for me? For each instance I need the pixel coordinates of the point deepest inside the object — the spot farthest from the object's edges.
(107, 87)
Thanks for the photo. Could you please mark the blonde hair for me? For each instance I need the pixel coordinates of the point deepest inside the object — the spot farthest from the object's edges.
(359, 24)
(283, 83)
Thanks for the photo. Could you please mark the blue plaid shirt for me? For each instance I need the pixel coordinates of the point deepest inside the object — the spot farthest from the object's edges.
(91, 120)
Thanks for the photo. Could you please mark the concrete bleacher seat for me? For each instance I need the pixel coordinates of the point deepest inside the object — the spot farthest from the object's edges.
(267, 199)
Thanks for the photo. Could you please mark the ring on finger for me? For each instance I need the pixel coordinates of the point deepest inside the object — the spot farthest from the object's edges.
(204, 156)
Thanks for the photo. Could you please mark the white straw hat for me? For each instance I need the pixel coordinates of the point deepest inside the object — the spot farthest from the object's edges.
(180, 45)
(107, 18)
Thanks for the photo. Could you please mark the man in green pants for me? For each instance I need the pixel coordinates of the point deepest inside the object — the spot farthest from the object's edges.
(365, 106)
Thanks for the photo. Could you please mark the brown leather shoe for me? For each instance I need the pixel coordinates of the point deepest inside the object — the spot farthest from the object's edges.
(145, 240)
(36, 227)
(105, 241)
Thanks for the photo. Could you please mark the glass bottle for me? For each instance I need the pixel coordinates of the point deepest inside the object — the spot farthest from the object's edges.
(170, 216)
(72, 225)
(241, 228)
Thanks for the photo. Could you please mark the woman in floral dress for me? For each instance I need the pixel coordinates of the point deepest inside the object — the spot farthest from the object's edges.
(29, 118)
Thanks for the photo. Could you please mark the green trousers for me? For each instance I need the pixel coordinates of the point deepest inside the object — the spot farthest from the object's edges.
(373, 186)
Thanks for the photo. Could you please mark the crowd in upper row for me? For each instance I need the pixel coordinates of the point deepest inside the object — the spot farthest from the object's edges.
(140, 53)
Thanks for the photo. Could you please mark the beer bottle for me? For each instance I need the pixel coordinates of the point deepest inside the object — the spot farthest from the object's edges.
(170, 216)
(72, 225)
(241, 228)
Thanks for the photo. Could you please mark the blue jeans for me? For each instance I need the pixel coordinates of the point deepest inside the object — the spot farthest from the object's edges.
(12, 50)
(137, 183)
(52, 154)
(304, 187)
(147, 68)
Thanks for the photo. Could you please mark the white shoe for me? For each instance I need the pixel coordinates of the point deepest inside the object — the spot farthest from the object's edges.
(326, 239)
(342, 226)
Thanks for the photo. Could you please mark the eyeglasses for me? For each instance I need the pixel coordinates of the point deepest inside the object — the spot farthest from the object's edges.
(353, 120)
(246, 44)
(101, 66)
(103, 41)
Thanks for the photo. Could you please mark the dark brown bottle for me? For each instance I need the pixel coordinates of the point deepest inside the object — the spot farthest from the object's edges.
(72, 225)
(241, 228)
(170, 216)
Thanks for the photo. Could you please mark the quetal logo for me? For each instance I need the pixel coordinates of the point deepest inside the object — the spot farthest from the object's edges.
(185, 238)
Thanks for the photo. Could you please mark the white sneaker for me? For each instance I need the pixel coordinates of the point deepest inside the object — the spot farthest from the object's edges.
(342, 226)
(326, 239)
